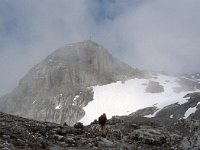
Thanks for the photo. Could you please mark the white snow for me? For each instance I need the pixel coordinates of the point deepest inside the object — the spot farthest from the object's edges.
(76, 97)
(151, 115)
(58, 107)
(190, 111)
(123, 99)
(183, 100)
(171, 116)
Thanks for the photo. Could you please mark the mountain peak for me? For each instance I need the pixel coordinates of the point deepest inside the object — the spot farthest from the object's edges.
(84, 43)
(61, 84)
(79, 49)
(89, 42)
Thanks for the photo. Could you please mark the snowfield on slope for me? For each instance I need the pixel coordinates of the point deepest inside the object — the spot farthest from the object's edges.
(124, 98)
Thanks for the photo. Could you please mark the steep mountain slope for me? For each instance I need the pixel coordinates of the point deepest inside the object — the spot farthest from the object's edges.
(57, 88)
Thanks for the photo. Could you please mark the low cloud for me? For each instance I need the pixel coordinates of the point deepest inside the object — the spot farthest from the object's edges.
(155, 35)
(159, 35)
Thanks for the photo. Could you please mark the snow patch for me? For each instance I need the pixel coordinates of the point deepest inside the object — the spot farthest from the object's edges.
(58, 107)
(171, 116)
(121, 99)
(183, 100)
(151, 115)
(190, 111)
(76, 97)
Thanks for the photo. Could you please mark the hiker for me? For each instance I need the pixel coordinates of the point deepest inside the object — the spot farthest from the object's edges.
(102, 121)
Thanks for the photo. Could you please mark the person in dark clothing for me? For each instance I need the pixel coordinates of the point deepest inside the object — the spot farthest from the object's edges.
(102, 121)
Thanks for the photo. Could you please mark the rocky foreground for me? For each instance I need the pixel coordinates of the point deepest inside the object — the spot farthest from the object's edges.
(126, 132)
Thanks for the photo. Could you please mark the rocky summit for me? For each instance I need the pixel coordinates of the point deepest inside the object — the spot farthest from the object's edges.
(58, 88)
(124, 132)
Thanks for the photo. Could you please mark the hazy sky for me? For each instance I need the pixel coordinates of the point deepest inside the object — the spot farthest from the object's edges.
(160, 35)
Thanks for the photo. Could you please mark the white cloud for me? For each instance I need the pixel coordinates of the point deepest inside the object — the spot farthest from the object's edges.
(160, 35)
(154, 35)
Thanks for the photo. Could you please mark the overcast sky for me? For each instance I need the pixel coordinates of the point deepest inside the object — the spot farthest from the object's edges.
(160, 35)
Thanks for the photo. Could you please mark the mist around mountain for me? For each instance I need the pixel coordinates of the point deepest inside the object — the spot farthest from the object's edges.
(58, 88)
(79, 82)
(82, 80)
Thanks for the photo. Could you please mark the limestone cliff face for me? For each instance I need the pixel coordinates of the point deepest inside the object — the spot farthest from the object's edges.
(57, 88)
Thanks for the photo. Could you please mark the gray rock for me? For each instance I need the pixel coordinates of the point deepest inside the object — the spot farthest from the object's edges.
(79, 125)
(126, 132)
(58, 137)
(154, 87)
(178, 110)
(145, 111)
(187, 84)
(57, 88)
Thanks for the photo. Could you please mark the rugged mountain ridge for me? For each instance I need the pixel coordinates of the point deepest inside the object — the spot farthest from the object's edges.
(174, 111)
(57, 88)
(187, 109)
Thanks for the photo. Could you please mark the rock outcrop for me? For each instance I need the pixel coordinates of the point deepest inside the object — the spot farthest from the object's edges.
(187, 84)
(145, 111)
(125, 132)
(57, 88)
(154, 87)
(174, 112)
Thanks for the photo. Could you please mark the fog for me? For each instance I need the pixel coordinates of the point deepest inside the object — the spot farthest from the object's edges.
(155, 35)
